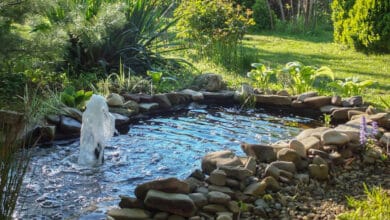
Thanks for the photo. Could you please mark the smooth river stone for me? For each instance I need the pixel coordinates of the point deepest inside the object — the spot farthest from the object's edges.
(170, 185)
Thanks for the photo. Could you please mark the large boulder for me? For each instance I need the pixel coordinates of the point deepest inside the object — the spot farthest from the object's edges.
(210, 82)
(115, 100)
(220, 158)
(175, 203)
(170, 185)
(262, 153)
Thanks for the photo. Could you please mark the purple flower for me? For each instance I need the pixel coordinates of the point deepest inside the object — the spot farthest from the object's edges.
(363, 131)
(374, 128)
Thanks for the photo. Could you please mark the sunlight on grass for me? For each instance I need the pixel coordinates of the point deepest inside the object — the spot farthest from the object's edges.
(375, 206)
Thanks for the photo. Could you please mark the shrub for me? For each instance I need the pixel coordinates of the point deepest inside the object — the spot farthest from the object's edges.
(362, 24)
(214, 27)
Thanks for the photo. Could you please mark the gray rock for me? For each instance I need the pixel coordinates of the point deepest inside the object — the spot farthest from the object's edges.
(72, 112)
(316, 132)
(255, 189)
(311, 143)
(383, 119)
(69, 125)
(243, 93)
(298, 104)
(262, 153)
(115, 100)
(385, 139)
(236, 172)
(224, 216)
(319, 172)
(148, 107)
(250, 164)
(319, 160)
(214, 208)
(318, 101)
(199, 199)
(334, 137)
(220, 158)
(175, 203)
(273, 100)
(179, 98)
(210, 82)
(129, 202)
(161, 216)
(223, 189)
(302, 178)
(354, 101)
(131, 105)
(195, 95)
(129, 214)
(278, 173)
(328, 108)
(336, 100)
(216, 197)
(305, 95)
(342, 114)
(289, 155)
(162, 101)
(171, 185)
(234, 207)
(120, 119)
(284, 165)
(194, 183)
(217, 177)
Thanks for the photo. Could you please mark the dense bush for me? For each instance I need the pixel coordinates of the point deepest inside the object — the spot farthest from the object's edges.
(362, 24)
(263, 17)
(214, 27)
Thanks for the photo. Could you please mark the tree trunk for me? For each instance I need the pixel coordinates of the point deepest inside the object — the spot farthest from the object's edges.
(281, 10)
(270, 14)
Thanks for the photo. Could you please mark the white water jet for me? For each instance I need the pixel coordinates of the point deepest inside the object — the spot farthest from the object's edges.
(98, 126)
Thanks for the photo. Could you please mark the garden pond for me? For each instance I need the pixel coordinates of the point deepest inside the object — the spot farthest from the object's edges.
(56, 187)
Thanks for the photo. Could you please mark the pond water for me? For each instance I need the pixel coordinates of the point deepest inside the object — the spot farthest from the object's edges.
(56, 187)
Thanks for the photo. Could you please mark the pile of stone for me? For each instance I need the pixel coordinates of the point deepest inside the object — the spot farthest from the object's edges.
(232, 187)
(208, 89)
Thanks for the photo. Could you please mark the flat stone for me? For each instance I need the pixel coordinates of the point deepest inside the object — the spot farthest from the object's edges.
(223, 189)
(237, 172)
(170, 185)
(289, 155)
(175, 203)
(310, 143)
(305, 95)
(69, 125)
(162, 101)
(142, 97)
(224, 216)
(284, 165)
(273, 100)
(383, 119)
(120, 119)
(193, 183)
(280, 173)
(318, 101)
(311, 132)
(255, 189)
(334, 137)
(352, 130)
(148, 107)
(199, 199)
(216, 197)
(214, 208)
(356, 113)
(319, 160)
(328, 108)
(342, 113)
(220, 158)
(262, 153)
(129, 214)
(195, 95)
(234, 207)
(385, 139)
(179, 98)
(354, 101)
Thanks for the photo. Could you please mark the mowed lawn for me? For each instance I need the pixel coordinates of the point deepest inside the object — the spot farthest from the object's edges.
(275, 50)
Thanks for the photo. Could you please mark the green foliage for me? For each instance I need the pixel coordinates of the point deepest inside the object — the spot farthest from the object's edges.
(303, 77)
(73, 98)
(362, 24)
(261, 75)
(213, 27)
(327, 120)
(375, 206)
(262, 15)
(351, 86)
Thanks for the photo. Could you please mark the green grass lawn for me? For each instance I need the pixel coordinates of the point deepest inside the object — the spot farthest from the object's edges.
(278, 49)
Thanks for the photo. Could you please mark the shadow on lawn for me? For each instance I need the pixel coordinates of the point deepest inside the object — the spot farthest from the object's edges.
(323, 37)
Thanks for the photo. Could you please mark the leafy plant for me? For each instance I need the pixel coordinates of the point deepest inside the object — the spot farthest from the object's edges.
(159, 82)
(303, 77)
(351, 86)
(261, 75)
(327, 120)
(375, 206)
(73, 98)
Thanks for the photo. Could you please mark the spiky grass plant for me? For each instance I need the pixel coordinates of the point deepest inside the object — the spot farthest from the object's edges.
(14, 157)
